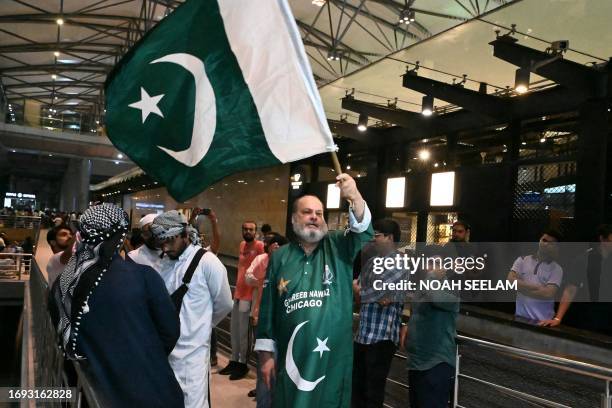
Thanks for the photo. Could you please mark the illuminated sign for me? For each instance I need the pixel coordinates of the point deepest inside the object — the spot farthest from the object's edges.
(296, 182)
(333, 196)
(396, 192)
(20, 195)
(442, 189)
(148, 205)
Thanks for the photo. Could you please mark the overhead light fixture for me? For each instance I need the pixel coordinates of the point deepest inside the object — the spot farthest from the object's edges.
(318, 3)
(407, 16)
(543, 140)
(333, 55)
(116, 162)
(59, 21)
(424, 154)
(120, 156)
(362, 125)
(56, 53)
(53, 76)
(521, 80)
(428, 105)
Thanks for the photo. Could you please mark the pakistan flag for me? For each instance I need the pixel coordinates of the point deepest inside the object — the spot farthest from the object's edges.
(217, 87)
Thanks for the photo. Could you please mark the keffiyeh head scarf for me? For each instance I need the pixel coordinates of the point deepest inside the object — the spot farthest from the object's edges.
(170, 225)
(102, 229)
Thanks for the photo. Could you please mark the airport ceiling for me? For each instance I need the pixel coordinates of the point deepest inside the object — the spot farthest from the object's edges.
(66, 65)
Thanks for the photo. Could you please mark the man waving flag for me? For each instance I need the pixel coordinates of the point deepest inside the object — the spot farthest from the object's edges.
(217, 87)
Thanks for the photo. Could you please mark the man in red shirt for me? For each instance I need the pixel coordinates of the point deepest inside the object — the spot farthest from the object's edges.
(249, 249)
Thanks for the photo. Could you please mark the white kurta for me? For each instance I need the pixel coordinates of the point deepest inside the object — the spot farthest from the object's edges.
(143, 255)
(205, 304)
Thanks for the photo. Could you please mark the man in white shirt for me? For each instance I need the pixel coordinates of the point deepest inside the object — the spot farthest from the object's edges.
(147, 254)
(207, 301)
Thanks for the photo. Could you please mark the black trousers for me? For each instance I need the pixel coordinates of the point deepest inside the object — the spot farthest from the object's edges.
(213, 343)
(371, 364)
(432, 388)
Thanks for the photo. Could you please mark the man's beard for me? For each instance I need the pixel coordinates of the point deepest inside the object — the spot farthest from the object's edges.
(309, 236)
(248, 238)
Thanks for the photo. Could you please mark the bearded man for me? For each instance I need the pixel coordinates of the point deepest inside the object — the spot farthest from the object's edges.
(305, 320)
(147, 254)
(243, 296)
(206, 301)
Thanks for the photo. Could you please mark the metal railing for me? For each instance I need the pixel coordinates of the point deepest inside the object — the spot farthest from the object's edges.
(42, 354)
(14, 266)
(18, 221)
(560, 363)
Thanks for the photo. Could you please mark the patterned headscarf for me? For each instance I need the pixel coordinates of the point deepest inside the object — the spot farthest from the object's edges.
(170, 225)
(102, 229)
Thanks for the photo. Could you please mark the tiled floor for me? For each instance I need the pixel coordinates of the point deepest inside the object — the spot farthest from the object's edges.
(230, 394)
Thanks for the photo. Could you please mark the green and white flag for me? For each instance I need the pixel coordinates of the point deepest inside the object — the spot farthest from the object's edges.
(217, 87)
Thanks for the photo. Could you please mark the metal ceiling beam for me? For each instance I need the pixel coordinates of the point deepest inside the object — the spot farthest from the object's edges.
(579, 77)
(471, 100)
(327, 40)
(347, 130)
(388, 114)
(380, 20)
(534, 105)
(71, 84)
(97, 68)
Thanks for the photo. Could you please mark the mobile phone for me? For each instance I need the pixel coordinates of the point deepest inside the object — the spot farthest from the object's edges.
(205, 211)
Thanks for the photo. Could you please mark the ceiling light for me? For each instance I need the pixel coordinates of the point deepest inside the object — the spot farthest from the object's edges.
(120, 156)
(407, 16)
(53, 76)
(521, 80)
(362, 125)
(543, 140)
(333, 55)
(428, 105)
(524, 143)
(348, 167)
(424, 154)
(59, 21)
(318, 3)
(56, 53)
(97, 122)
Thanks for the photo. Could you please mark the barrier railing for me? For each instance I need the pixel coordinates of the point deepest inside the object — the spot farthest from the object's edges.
(45, 358)
(14, 266)
(18, 221)
(560, 363)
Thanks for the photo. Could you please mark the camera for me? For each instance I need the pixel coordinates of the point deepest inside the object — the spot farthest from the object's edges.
(560, 46)
(205, 211)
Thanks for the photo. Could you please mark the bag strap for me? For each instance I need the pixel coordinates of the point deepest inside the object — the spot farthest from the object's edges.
(193, 265)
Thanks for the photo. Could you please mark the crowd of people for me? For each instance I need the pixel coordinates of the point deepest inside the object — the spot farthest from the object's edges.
(138, 308)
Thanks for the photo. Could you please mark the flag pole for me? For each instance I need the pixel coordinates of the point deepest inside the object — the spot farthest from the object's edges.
(336, 163)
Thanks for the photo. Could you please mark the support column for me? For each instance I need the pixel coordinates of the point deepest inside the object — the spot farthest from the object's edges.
(74, 194)
(591, 166)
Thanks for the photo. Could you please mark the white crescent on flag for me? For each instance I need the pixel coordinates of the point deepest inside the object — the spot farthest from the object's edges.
(204, 112)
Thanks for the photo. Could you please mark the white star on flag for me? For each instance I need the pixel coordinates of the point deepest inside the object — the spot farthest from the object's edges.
(147, 104)
(321, 347)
